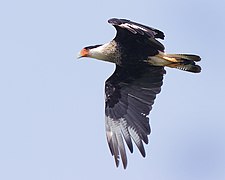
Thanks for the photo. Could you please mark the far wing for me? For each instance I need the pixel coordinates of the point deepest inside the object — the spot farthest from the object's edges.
(126, 28)
(130, 94)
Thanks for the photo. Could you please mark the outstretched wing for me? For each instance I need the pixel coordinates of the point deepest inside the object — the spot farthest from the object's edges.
(130, 94)
(126, 28)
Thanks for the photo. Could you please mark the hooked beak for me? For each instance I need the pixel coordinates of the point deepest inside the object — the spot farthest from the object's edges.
(79, 56)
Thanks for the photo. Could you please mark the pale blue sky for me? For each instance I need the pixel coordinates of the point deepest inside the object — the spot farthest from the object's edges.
(52, 105)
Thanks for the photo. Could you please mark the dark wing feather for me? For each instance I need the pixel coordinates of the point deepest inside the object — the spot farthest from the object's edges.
(126, 28)
(137, 28)
(130, 94)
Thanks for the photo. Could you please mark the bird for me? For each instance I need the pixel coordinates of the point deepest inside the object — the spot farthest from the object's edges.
(140, 60)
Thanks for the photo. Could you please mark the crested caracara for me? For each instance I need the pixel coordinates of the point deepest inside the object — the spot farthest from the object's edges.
(131, 90)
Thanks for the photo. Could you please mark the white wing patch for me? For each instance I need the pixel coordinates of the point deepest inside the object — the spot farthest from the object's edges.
(131, 27)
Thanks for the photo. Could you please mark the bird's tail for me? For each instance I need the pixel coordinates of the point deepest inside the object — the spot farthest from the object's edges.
(185, 62)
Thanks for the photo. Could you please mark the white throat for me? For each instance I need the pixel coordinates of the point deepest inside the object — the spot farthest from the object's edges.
(104, 52)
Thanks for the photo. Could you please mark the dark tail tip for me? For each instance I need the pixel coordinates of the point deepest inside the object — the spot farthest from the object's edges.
(190, 68)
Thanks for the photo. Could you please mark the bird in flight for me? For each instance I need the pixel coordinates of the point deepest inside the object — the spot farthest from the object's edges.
(131, 90)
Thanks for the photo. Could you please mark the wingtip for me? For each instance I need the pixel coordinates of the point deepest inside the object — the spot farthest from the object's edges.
(117, 21)
(124, 162)
(116, 158)
(124, 166)
(113, 21)
(117, 162)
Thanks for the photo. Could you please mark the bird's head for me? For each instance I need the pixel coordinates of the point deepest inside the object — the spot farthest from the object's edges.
(83, 53)
(86, 51)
